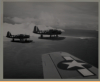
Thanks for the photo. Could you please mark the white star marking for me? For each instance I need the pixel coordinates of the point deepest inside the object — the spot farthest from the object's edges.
(74, 64)
(84, 71)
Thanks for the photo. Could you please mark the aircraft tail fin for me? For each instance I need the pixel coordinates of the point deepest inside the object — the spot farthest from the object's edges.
(8, 34)
(36, 29)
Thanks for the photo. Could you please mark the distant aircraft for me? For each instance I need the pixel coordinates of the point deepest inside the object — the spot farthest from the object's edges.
(19, 36)
(62, 65)
(46, 32)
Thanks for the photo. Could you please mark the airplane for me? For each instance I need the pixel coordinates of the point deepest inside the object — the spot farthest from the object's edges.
(19, 36)
(62, 65)
(46, 32)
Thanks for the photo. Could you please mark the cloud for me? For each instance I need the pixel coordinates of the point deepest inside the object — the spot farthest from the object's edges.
(17, 20)
(52, 20)
(54, 14)
(46, 21)
(43, 19)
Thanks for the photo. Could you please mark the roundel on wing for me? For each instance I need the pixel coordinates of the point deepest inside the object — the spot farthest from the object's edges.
(66, 65)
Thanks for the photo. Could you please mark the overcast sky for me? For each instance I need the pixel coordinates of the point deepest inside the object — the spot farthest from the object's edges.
(23, 16)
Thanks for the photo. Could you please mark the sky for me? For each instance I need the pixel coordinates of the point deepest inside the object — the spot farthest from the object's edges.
(21, 17)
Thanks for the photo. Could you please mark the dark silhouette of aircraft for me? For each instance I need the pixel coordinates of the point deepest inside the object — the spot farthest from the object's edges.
(22, 37)
(50, 32)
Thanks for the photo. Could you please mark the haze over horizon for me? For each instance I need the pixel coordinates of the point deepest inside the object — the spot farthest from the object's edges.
(21, 17)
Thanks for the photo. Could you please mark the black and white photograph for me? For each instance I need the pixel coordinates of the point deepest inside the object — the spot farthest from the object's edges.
(50, 40)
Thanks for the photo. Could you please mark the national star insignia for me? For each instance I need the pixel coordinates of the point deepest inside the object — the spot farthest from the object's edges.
(74, 64)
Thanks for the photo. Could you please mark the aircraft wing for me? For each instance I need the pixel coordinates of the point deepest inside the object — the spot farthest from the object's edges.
(62, 65)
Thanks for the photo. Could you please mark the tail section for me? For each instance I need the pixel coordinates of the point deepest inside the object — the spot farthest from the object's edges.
(8, 34)
(36, 30)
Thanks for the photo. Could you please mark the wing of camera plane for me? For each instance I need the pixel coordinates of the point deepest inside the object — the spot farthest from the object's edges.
(62, 65)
